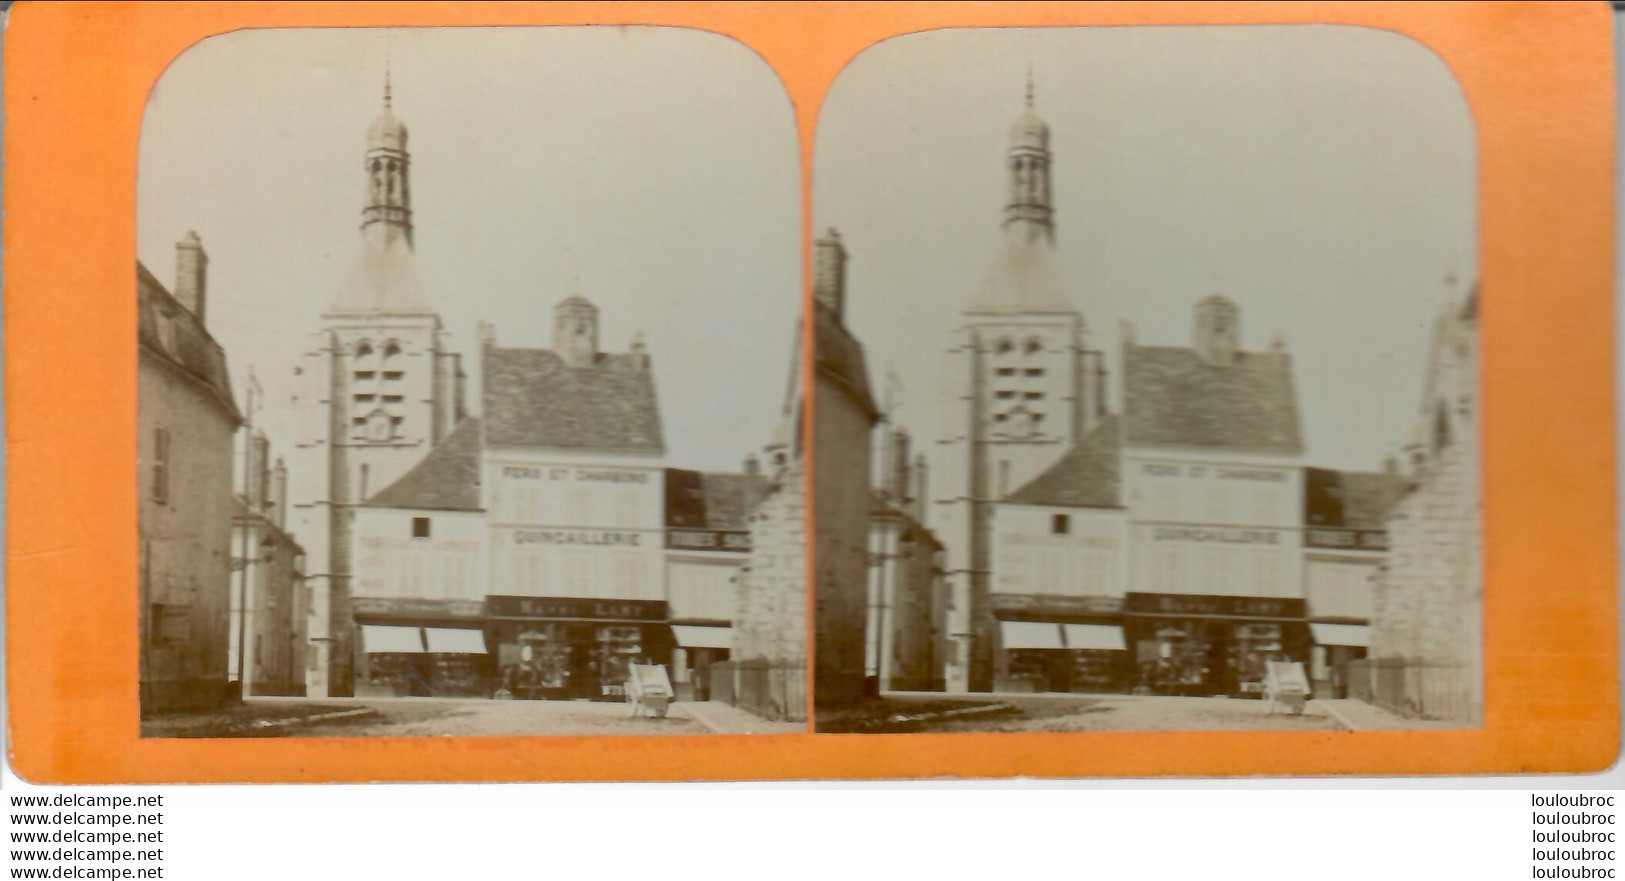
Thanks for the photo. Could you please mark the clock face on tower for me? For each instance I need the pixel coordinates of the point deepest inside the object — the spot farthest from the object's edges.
(380, 427)
(1021, 423)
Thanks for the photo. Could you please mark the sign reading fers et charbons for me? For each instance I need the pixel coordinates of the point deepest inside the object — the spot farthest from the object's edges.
(1219, 472)
(581, 475)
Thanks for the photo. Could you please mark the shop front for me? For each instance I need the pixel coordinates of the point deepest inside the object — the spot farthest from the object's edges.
(1212, 645)
(1062, 644)
(1337, 645)
(421, 648)
(567, 648)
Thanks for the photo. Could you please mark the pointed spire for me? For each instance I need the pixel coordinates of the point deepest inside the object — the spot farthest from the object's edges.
(387, 102)
(1029, 83)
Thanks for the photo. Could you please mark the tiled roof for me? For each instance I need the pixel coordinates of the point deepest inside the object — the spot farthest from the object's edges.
(1171, 396)
(532, 398)
(1350, 499)
(1024, 278)
(1088, 476)
(840, 358)
(187, 346)
(383, 279)
(709, 499)
(448, 479)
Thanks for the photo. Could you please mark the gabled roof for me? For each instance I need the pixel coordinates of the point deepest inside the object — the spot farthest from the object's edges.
(840, 359)
(533, 399)
(188, 346)
(710, 499)
(1088, 476)
(1171, 396)
(448, 479)
(383, 280)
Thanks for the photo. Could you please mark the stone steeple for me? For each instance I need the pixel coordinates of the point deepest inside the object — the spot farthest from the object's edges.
(388, 212)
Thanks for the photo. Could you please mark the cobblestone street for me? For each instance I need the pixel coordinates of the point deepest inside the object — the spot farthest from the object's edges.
(433, 717)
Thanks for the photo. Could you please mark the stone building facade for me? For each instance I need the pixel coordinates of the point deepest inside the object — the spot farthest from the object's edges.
(845, 416)
(1427, 619)
(269, 599)
(378, 387)
(907, 646)
(185, 421)
(1020, 387)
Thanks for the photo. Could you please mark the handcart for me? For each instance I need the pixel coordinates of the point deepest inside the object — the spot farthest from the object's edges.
(1285, 686)
(649, 689)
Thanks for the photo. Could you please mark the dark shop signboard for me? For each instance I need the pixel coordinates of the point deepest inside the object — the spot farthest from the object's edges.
(575, 607)
(1197, 605)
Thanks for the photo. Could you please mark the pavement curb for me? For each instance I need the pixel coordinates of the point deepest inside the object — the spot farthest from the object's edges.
(701, 717)
(1337, 716)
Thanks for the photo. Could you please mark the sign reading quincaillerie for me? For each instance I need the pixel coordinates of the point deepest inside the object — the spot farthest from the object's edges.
(1352, 539)
(574, 607)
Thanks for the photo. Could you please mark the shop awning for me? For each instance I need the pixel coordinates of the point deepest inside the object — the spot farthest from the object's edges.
(377, 639)
(1030, 635)
(690, 636)
(1094, 636)
(456, 642)
(1357, 635)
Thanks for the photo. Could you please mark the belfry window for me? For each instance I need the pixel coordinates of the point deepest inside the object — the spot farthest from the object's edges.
(1034, 345)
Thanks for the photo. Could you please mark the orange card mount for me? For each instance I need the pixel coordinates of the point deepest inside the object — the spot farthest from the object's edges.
(1539, 83)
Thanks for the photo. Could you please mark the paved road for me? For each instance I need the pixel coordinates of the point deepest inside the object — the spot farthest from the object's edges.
(407, 717)
(433, 717)
(900, 713)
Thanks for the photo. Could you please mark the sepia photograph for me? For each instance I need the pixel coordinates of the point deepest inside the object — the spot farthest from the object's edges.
(1148, 384)
(446, 423)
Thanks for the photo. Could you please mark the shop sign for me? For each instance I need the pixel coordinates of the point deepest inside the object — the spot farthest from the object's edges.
(575, 607)
(587, 537)
(578, 475)
(396, 607)
(1221, 534)
(1012, 606)
(737, 541)
(1198, 605)
(1346, 539)
(1212, 472)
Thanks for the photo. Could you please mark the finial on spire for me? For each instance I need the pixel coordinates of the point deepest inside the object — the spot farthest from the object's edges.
(1029, 84)
(386, 80)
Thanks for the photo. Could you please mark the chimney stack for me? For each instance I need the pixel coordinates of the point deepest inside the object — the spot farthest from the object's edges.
(829, 272)
(279, 494)
(753, 482)
(191, 274)
(259, 450)
(919, 488)
(899, 472)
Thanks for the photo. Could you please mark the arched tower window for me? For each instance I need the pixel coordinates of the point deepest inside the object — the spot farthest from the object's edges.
(1034, 345)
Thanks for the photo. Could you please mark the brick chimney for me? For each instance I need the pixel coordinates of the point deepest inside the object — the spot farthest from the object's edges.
(752, 489)
(829, 272)
(191, 274)
(259, 451)
(279, 494)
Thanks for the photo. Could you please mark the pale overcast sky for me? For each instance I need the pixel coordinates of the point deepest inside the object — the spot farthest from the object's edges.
(659, 166)
(1322, 177)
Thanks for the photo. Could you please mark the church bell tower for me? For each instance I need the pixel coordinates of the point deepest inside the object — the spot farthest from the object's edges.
(379, 386)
